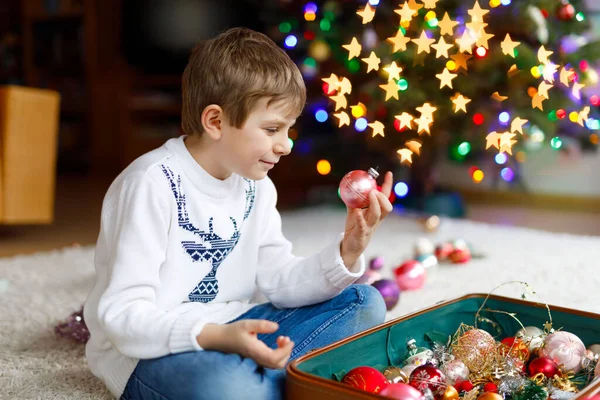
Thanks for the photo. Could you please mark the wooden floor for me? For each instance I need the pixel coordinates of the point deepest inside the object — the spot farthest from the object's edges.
(79, 201)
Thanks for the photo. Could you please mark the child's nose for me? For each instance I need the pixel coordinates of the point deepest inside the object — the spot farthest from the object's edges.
(282, 147)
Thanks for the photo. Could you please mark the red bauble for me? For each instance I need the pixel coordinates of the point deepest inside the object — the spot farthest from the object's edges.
(410, 275)
(366, 378)
(464, 386)
(442, 251)
(460, 256)
(355, 187)
(545, 365)
(516, 348)
(428, 377)
(565, 12)
(490, 387)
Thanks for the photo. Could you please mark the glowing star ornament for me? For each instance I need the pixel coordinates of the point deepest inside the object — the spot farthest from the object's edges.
(465, 43)
(427, 110)
(414, 146)
(543, 55)
(498, 97)
(492, 140)
(405, 120)
(406, 13)
(343, 118)
(537, 102)
(508, 46)
(483, 39)
(423, 43)
(447, 25)
(576, 90)
(517, 125)
(405, 156)
(340, 101)
(430, 3)
(367, 14)
(477, 12)
(354, 48)
(332, 81)
(583, 115)
(391, 90)
(549, 72)
(543, 89)
(512, 71)
(414, 5)
(446, 78)
(399, 41)
(565, 76)
(377, 128)
(393, 71)
(345, 86)
(423, 124)
(372, 62)
(461, 60)
(460, 102)
(441, 48)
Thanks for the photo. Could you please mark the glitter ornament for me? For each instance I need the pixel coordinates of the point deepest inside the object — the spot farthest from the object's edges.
(395, 375)
(428, 377)
(532, 335)
(410, 275)
(543, 365)
(366, 378)
(74, 327)
(417, 356)
(389, 290)
(401, 391)
(565, 348)
(476, 348)
(451, 393)
(355, 187)
(515, 347)
(455, 371)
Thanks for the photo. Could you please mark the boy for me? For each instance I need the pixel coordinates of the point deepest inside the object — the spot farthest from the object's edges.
(190, 229)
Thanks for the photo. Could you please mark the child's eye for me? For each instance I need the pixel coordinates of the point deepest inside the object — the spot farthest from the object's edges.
(272, 130)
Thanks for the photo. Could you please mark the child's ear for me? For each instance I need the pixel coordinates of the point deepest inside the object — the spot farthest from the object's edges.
(212, 121)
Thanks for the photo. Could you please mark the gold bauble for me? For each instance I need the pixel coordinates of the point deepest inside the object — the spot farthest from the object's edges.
(490, 396)
(395, 375)
(451, 393)
(476, 348)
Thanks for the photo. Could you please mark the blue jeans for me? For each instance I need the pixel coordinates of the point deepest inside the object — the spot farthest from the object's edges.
(214, 375)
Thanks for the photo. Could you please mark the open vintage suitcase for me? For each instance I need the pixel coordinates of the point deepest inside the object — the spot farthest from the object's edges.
(311, 377)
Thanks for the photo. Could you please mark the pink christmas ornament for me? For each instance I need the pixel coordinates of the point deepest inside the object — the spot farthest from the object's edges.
(355, 187)
(401, 391)
(564, 348)
(410, 275)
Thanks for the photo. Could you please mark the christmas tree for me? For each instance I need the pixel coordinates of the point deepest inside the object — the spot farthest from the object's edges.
(413, 83)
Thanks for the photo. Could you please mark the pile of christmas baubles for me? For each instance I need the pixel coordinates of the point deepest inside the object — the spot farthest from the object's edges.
(412, 273)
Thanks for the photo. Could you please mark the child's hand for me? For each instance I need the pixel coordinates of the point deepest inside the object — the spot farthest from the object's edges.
(241, 337)
(360, 224)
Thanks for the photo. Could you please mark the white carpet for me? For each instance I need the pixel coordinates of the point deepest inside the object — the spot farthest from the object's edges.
(40, 290)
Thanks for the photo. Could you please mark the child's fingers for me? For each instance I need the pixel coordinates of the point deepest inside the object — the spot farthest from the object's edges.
(385, 204)
(259, 326)
(388, 180)
(374, 211)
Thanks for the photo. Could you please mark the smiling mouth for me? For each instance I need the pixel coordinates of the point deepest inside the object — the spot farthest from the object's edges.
(267, 162)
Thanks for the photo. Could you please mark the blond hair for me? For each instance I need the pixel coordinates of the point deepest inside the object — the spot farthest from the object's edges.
(234, 71)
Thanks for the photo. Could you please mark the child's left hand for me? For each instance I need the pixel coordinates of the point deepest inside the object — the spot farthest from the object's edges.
(362, 223)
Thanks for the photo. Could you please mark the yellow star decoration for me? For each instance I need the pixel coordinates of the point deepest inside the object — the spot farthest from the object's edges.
(332, 81)
(345, 86)
(399, 41)
(423, 124)
(549, 72)
(340, 101)
(461, 60)
(430, 3)
(423, 43)
(543, 89)
(483, 39)
(393, 71)
(476, 26)
(508, 46)
(492, 140)
(446, 78)
(477, 12)
(427, 110)
(543, 55)
(405, 120)
(414, 5)
(460, 102)
(441, 48)
(447, 25)
(498, 97)
(465, 43)
(536, 102)
(507, 148)
(406, 13)
(343, 118)
(583, 115)
(372, 62)
(517, 125)
(513, 70)
(377, 128)
(576, 88)
(414, 146)
(391, 90)
(565, 76)
(405, 155)
(354, 48)
(506, 142)
(367, 14)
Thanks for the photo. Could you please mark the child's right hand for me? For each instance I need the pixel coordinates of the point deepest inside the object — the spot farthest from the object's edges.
(241, 337)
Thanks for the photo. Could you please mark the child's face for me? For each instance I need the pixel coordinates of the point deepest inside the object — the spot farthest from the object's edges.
(252, 150)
